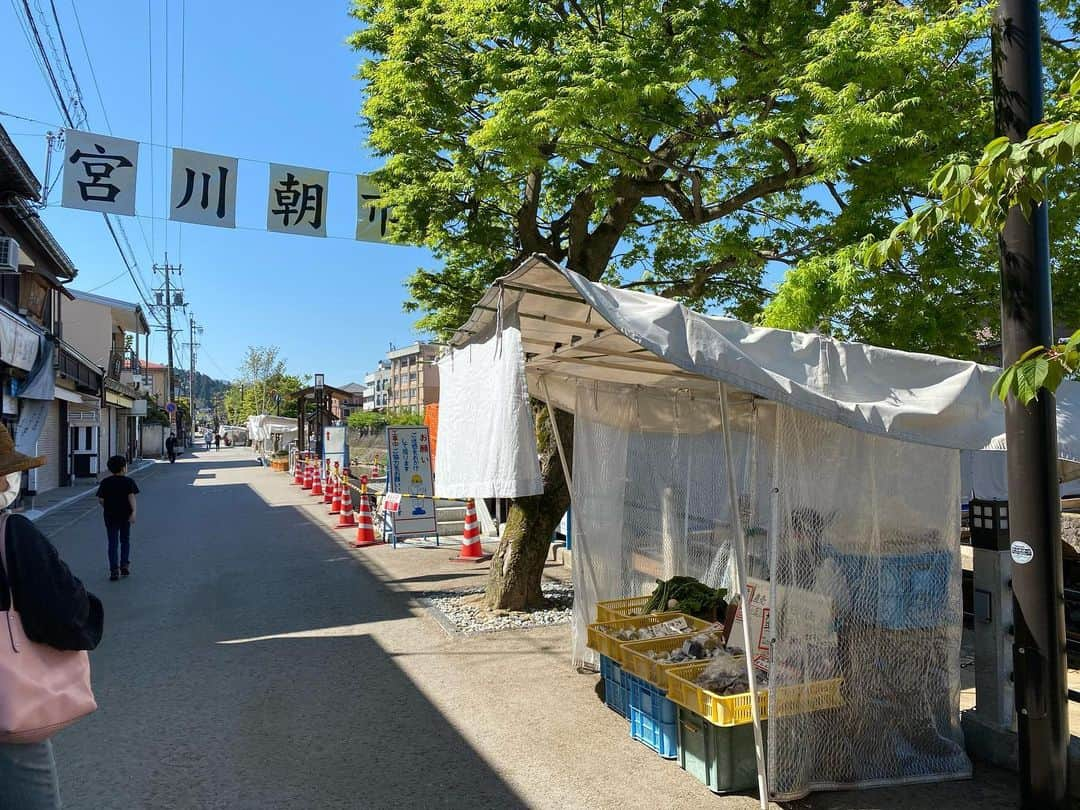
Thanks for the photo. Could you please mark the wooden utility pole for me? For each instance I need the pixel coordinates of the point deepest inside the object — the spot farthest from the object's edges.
(1031, 434)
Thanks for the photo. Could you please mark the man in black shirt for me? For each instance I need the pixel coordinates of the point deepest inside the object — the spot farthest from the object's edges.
(117, 497)
(170, 447)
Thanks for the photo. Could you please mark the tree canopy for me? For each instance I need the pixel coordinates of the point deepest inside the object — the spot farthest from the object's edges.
(693, 148)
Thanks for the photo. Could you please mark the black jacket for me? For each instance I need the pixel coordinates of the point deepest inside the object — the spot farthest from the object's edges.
(54, 606)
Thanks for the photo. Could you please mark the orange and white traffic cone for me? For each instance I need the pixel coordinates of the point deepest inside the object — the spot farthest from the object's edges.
(346, 520)
(298, 473)
(471, 550)
(335, 498)
(316, 487)
(365, 527)
(328, 490)
(309, 477)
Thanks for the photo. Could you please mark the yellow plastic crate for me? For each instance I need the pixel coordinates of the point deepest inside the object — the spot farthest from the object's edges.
(637, 661)
(611, 610)
(609, 645)
(735, 710)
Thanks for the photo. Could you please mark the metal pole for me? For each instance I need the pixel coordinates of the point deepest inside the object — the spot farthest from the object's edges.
(739, 542)
(1034, 498)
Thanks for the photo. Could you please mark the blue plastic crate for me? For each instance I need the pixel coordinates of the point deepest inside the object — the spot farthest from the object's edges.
(616, 686)
(899, 591)
(653, 718)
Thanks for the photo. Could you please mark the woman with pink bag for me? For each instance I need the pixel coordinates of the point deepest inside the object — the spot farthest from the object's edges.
(47, 621)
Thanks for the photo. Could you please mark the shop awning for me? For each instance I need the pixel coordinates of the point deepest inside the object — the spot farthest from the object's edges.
(572, 329)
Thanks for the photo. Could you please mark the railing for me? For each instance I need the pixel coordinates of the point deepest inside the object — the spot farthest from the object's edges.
(77, 369)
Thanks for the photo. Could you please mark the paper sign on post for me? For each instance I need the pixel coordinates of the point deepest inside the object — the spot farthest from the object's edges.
(392, 502)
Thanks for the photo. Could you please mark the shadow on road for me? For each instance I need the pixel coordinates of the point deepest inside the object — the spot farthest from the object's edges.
(320, 718)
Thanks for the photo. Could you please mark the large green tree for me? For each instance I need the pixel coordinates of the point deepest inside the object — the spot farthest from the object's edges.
(683, 147)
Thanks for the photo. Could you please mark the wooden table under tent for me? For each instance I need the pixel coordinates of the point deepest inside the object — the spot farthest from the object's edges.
(824, 473)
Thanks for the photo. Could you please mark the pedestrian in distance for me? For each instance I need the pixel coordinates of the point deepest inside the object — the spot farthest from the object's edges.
(209, 437)
(47, 604)
(116, 494)
(170, 447)
(217, 441)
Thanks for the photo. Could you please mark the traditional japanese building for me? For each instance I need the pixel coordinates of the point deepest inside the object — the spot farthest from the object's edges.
(40, 374)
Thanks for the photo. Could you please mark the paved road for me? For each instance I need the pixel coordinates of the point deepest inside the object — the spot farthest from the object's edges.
(187, 720)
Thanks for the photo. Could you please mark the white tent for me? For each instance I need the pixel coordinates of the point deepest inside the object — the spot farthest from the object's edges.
(264, 431)
(826, 472)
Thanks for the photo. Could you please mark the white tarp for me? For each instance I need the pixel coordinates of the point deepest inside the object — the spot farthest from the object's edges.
(262, 426)
(483, 386)
(573, 329)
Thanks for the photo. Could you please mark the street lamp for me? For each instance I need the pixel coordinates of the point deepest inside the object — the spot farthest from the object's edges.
(320, 390)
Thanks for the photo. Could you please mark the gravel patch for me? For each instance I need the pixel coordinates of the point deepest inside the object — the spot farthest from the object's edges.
(461, 611)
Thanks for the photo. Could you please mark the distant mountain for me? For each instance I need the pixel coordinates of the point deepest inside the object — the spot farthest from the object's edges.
(206, 389)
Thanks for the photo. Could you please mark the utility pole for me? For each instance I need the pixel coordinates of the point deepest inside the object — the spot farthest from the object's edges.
(192, 347)
(1034, 493)
(167, 270)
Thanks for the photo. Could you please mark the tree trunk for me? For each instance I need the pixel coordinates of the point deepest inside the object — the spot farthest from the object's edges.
(518, 565)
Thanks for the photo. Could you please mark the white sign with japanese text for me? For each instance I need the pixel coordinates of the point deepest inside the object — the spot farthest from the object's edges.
(296, 201)
(373, 220)
(203, 189)
(99, 173)
(408, 472)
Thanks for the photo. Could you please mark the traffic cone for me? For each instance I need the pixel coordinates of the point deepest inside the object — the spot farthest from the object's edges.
(471, 550)
(346, 519)
(298, 473)
(328, 490)
(309, 477)
(365, 528)
(316, 486)
(335, 499)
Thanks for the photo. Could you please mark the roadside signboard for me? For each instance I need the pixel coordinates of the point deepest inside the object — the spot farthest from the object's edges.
(408, 472)
(170, 407)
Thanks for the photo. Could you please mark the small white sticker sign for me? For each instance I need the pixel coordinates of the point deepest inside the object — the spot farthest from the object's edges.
(392, 502)
(1021, 552)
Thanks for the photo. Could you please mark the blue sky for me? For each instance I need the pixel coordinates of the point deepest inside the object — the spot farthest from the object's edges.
(266, 82)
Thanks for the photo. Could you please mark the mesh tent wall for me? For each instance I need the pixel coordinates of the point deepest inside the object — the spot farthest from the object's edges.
(845, 460)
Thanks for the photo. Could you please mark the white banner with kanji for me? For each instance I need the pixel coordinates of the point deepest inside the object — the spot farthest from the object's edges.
(296, 201)
(203, 189)
(99, 173)
(373, 219)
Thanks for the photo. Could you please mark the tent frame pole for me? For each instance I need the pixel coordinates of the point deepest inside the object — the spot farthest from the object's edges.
(740, 575)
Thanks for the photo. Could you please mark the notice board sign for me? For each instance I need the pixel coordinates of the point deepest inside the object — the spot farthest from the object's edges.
(408, 472)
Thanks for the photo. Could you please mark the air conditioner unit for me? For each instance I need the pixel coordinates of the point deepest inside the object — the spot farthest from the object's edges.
(9, 255)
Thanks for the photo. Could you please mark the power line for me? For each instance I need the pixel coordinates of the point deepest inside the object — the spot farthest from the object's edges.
(90, 63)
(150, 107)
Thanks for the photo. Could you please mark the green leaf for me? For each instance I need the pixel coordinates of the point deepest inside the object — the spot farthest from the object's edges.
(1004, 384)
(996, 148)
(1031, 353)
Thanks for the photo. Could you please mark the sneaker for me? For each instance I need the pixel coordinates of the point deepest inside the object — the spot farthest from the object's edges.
(114, 575)
(125, 571)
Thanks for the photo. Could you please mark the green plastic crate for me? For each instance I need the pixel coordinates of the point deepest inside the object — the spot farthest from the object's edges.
(720, 757)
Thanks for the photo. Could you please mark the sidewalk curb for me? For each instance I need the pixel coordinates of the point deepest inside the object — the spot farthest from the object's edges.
(37, 514)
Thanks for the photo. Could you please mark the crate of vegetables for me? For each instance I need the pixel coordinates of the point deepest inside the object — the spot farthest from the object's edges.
(651, 659)
(614, 609)
(725, 701)
(688, 595)
(608, 638)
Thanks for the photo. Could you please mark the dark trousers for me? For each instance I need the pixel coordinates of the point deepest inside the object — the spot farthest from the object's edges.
(119, 534)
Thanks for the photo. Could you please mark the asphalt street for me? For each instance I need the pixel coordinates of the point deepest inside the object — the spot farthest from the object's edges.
(198, 710)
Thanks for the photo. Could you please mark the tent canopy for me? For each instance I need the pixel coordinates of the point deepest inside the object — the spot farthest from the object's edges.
(573, 329)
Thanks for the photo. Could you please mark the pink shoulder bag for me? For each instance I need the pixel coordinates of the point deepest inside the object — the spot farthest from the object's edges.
(42, 689)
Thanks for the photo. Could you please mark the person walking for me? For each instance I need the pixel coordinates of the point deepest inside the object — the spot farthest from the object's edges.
(38, 591)
(209, 437)
(170, 447)
(116, 494)
(217, 441)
